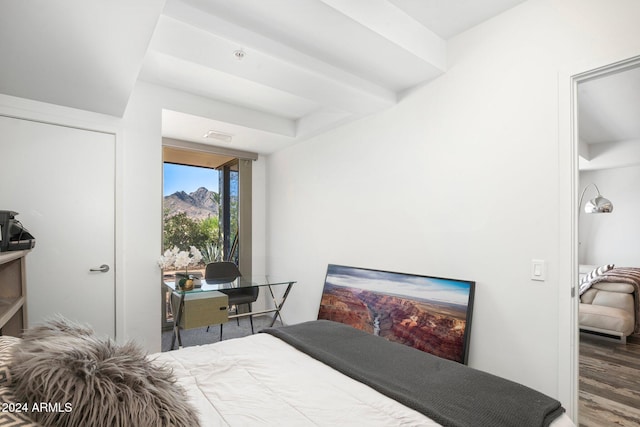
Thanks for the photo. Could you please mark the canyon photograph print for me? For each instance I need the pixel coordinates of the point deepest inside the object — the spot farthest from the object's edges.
(428, 313)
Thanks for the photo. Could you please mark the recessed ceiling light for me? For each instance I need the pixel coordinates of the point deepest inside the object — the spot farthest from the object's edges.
(220, 136)
(239, 54)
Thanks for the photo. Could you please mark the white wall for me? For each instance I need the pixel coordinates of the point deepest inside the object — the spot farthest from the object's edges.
(141, 225)
(142, 205)
(612, 238)
(460, 180)
(139, 197)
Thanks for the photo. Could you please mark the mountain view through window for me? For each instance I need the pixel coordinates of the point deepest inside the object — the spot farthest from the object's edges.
(195, 212)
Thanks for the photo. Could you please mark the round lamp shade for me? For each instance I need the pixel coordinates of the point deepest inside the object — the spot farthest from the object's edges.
(598, 205)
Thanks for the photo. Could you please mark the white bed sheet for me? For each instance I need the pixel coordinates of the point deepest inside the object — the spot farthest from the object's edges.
(261, 380)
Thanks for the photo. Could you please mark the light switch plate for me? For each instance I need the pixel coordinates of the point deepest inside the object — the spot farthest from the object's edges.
(538, 270)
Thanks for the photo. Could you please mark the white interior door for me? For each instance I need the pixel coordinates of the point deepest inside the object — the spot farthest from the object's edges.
(61, 181)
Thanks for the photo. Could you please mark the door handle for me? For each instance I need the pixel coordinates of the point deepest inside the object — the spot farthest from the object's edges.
(102, 269)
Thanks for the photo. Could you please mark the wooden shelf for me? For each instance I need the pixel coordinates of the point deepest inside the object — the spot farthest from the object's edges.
(13, 302)
(6, 257)
(9, 307)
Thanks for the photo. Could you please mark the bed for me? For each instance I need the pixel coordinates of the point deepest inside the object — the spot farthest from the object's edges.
(318, 373)
(328, 373)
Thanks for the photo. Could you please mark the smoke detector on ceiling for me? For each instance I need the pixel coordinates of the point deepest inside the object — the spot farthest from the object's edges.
(239, 54)
(220, 136)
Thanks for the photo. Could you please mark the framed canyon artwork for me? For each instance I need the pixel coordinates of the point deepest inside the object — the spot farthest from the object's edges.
(431, 314)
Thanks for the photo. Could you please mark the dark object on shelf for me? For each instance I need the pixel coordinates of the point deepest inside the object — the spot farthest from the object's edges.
(13, 235)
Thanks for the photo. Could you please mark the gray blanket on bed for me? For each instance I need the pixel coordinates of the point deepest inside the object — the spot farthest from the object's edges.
(447, 392)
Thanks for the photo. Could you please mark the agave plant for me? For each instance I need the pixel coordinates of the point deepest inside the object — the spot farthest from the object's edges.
(212, 252)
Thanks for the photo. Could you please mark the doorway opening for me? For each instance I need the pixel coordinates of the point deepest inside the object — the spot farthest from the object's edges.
(607, 163)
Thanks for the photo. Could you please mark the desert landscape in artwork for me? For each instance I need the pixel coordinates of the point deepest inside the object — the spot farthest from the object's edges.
(429, 314)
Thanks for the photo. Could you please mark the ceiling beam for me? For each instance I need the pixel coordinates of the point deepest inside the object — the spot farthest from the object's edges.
(177, 100)
(268, 63)
(607, 155)
(390, 22)
(583, 150)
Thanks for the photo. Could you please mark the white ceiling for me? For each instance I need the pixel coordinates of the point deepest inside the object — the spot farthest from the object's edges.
(609, 108)
(308, 65)
(77, 53)
(609, 120)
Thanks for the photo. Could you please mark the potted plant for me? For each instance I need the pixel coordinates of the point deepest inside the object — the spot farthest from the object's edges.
(181, 260)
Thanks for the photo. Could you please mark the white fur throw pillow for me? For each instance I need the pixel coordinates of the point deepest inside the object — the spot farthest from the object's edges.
(85, 380)
(11, 414)
(587, 280)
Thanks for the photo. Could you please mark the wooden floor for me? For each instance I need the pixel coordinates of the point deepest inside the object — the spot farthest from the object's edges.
(609, 382)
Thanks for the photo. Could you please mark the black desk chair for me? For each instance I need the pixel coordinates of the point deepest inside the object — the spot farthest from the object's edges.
(223, 272)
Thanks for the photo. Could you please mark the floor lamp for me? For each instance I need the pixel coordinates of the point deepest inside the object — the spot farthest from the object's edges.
(598, 204)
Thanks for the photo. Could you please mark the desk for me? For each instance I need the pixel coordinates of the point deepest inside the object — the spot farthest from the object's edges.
(211, 290)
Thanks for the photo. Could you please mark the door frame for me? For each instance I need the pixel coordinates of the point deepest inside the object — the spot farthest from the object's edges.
(25, 109)
(568, 327)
